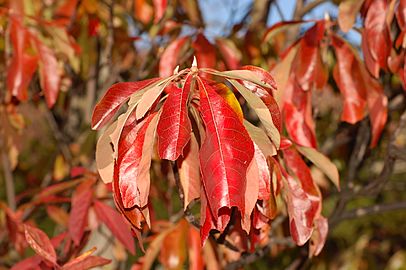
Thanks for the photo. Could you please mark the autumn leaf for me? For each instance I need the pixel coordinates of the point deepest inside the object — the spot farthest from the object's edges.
(116, 224)
(174, 126)
(170, 56)
(134, 160)
(81, 201)
(224, 155)
(114, 98)
(49, 74)
(40, 243)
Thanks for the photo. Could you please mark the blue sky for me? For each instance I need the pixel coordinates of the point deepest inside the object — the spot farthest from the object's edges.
(221, 15)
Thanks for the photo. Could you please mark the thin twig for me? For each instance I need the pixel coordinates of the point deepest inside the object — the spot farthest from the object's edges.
(8, 176)
(371, 210)
(307, 8)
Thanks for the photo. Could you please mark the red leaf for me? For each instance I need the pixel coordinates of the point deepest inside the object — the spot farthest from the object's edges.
(378, 111)
(376, 37)
(170, 56)
(86, 263)
(297, 113)
(174, 125)
(133, 215)
(225, 154)
(159, 7)
(22, 65)
(81, 200)
(307, 65)
(48, 72)
(114, 98)
(299, 208)
(173, 251)
(303, 200)
(116, 224)
(31, 263)
(349, 81)
(40, 243)
(205, 52)
(65, 11)
(195, 250)
(231, 55)
(134, 160)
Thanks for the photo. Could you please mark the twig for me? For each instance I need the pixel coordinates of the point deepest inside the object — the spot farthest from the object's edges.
(371, 210)
(59, 137)
(8, 176)
(390, 158)
(305, 9)
(279, 10)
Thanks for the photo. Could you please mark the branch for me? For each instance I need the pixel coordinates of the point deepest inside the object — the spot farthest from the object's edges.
(8, 176)
(371, 210)
(300, 12)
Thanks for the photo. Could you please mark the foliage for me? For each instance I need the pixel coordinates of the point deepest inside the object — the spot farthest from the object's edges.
(220, 152)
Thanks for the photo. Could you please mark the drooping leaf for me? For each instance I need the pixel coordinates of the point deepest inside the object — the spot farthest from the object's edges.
(88, 262)
(134, 160)
(205, 52)
(257, 175)
(349, 81)
(376, 40)
(40, 243)
(116, 224)
(322, 162)
(224, 156)
(261, 110)
(154, 248)
(173, 252)
(174, 126)
(49, 74)
(319, 236)
(231, 54)
(105, 155)
(189, 172)
(378, 111)
(260, 138)
(159, 8)
(297, 113)
(22, 65)
(195, 249)
(114, 98)
(30, 263)
(307, 65)
(81, 201)
(169, 58)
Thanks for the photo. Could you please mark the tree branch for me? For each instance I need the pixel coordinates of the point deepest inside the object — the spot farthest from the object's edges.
(8, 177)
(371, 210)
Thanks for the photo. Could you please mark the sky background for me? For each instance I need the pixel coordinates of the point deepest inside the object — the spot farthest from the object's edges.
(221, 15)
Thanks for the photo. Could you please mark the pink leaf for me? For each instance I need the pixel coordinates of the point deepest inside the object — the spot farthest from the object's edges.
(40, 243)
(170, 56)
(116, 224)
(81, 201)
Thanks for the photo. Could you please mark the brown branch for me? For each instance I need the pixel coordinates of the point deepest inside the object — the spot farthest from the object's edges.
(391, 156)
(301, 11)
(8, 177)
(371, 210)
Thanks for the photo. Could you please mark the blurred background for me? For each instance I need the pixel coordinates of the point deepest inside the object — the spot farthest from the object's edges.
(46, 142)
